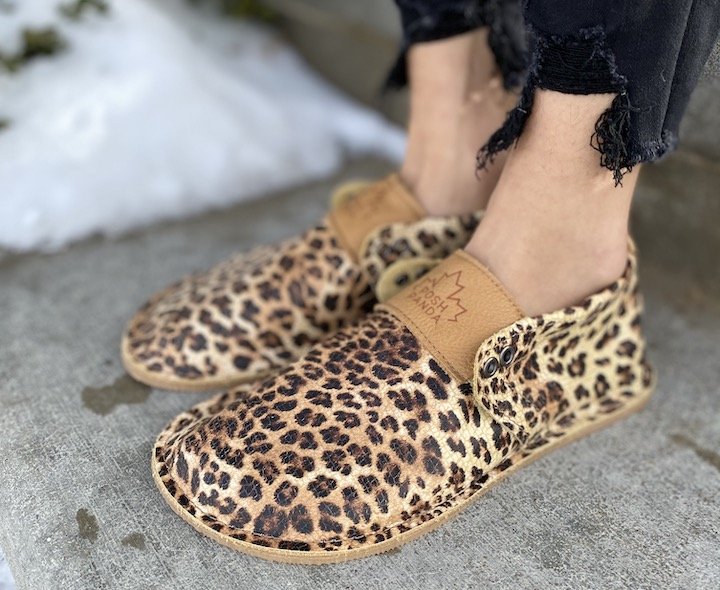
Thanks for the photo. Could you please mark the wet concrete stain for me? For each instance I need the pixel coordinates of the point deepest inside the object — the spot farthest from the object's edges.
(710, 457)
(135, 540)
(125, 390)
(87, 525)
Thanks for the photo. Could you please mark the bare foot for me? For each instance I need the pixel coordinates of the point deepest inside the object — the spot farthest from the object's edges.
(556, 228)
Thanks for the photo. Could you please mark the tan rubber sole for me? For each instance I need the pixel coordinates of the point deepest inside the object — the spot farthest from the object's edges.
(141, 374)
(322, 557)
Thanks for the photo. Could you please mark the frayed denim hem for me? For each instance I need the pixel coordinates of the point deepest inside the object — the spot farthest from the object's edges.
(507, 36)
(581, 64)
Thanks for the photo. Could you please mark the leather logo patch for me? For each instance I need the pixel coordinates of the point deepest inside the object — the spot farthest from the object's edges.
(439, 297)
(365, 203)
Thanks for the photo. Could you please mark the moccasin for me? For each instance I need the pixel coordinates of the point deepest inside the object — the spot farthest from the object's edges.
(256, 312)
(384, 430)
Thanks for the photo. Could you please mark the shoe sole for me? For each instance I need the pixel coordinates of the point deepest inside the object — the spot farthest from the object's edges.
(323, 557)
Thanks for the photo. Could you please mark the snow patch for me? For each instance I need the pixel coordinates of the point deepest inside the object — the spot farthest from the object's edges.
(6, 579)
(159, 111)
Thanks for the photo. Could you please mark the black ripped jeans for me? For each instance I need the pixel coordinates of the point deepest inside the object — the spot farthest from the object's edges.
(649, 53)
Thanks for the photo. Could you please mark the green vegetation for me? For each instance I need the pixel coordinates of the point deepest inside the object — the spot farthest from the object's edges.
(75, 10)
(242, 9)
(34, 43)
(247, 9)
(45, 41)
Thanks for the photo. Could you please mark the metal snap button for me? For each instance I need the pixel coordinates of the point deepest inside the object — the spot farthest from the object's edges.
(490, 367)
(507, 355)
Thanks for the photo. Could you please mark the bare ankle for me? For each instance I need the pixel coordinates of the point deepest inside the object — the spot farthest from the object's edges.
(545, 273)
(457, 100)
(556, 228)
(447, 186)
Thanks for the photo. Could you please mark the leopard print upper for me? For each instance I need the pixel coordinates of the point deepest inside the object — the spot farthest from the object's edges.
(367, 436)
(256, 312)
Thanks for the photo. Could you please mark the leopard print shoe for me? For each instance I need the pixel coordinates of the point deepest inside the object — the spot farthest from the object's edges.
(257, 312)
(384, 430)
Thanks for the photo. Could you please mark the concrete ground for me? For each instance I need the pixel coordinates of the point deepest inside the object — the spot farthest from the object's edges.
(635, 506)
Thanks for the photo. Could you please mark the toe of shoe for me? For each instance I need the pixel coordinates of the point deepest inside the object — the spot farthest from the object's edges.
(172, 342)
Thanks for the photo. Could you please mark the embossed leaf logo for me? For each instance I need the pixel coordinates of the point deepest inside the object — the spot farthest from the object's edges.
(439, 297)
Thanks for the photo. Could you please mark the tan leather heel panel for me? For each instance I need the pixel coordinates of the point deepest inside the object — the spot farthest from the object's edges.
(347, 190)
(453, 309)
(379, 204)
